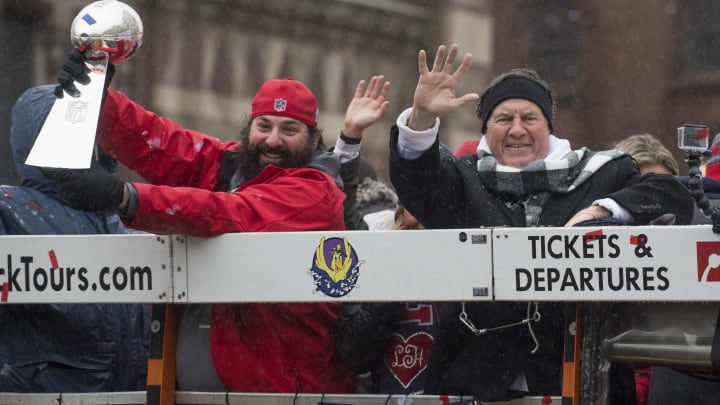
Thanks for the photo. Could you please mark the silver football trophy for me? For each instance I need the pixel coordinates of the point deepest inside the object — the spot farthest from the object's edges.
(107, 31)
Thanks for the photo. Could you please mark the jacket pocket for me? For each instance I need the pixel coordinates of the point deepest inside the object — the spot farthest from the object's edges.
(57, 373)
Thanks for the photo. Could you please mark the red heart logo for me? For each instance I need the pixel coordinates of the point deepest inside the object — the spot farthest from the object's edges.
(407, 358)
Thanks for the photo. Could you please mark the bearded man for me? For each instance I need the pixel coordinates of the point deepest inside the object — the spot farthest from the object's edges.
(276, 178)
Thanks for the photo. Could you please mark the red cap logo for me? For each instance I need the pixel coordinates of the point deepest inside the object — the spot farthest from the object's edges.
(286, 98)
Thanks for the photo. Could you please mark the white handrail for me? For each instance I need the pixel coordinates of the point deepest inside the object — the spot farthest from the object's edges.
(663, 263)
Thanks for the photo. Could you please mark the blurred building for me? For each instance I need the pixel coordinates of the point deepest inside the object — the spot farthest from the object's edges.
(618, 67)
(202, 60)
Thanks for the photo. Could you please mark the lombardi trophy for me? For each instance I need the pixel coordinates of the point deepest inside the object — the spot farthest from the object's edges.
(107, 31)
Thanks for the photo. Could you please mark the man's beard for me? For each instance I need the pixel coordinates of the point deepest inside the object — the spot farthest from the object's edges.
(249, 157)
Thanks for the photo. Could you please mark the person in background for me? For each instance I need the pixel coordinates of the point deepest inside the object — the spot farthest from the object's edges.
(712, 168)
(391, 341)
(405, 220)
(63, 347)
(376, 204)
(521, 176)
(675, 386)
(275, 179)
(652, 156)
(468, 147)
(710, 183)
(368, 334)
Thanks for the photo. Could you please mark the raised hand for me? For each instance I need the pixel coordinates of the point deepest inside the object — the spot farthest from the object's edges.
(435, 94)
(74, 70)
(367, 107)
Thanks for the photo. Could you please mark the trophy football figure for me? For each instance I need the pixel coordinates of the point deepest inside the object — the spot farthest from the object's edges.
(107, 31)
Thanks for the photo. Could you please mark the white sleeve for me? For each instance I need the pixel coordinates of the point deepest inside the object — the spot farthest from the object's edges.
(411, 143)
(345, 151)
(617, 211)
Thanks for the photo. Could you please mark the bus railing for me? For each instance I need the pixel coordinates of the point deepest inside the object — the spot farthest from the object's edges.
(662, 264)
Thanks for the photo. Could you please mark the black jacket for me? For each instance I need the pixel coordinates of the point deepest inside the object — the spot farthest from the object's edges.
(446, 192)
(392, 340)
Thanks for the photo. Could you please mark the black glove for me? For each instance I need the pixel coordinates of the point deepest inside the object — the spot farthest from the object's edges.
(74, 70)
(93, 189)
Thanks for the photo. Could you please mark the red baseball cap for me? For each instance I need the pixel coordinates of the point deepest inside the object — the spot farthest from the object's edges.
(286, 98)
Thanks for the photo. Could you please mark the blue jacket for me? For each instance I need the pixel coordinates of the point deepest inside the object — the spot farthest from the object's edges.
(62, 347)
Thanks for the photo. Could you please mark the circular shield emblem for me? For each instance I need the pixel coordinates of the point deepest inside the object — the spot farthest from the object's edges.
(335, 267)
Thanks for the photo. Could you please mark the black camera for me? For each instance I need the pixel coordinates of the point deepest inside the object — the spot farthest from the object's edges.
(693, 138)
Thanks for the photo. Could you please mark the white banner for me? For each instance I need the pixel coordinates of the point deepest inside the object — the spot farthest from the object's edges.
(431, 265)
(85, 268)
(660, 263)
(663, 263)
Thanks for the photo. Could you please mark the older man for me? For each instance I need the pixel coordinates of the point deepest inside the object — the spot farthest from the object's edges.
(521, 175)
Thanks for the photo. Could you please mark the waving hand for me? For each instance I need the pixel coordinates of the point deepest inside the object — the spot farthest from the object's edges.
(435, 94)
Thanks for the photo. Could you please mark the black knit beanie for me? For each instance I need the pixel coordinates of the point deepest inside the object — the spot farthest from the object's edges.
(516, 87)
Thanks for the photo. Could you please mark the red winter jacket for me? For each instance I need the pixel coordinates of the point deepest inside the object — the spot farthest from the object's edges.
(255, 347)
